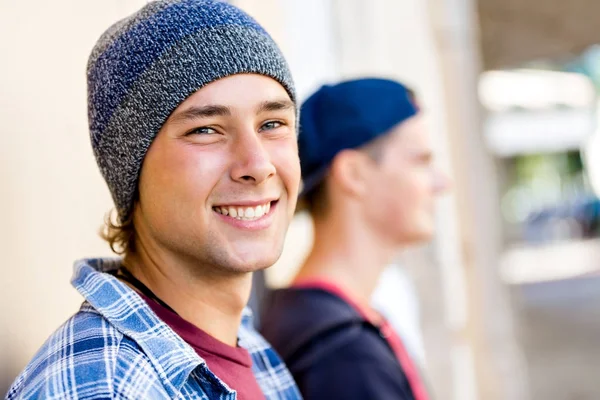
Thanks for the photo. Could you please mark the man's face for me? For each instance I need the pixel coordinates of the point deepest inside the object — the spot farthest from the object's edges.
(404, 183)
(218, 186)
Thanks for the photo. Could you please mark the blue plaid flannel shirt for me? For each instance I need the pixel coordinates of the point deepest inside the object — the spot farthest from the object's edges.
(115, 347)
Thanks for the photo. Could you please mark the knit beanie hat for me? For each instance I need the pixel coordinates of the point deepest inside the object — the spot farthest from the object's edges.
(147, 64)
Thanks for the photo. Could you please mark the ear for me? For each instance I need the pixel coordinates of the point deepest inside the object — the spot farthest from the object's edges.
(350, 171)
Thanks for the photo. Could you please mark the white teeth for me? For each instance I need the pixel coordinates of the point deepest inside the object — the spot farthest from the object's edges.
(259, 211)
(245, 213)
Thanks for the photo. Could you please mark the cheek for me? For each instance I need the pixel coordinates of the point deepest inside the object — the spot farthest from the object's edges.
(284, 156)
(179, 173)
(419, 208)
(400, 195)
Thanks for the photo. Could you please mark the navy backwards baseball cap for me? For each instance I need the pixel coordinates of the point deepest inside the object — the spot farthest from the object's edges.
(346, 116)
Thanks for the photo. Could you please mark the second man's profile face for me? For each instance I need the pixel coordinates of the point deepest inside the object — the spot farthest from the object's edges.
(218, 186)
(405, 183)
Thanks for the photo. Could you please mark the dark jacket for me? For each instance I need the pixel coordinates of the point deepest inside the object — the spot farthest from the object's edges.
(330, 349)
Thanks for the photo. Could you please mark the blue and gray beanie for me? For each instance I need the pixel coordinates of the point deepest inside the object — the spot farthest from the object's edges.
(147, 64)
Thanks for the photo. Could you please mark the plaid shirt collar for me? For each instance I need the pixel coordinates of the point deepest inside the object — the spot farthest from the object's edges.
(128, 312)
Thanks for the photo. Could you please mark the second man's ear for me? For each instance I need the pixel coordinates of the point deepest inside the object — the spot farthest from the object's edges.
(350, 171)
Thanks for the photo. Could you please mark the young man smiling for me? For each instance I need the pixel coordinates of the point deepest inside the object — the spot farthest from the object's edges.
(193, 124)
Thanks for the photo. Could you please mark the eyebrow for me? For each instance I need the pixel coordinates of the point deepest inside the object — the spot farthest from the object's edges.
(426, 156)
(215, 110)
(275, 105)
(201, 112)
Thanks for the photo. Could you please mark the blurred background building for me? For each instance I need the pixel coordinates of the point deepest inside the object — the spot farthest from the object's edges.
(508, 293)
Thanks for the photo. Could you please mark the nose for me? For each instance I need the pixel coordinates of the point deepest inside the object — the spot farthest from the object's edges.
(252, 163)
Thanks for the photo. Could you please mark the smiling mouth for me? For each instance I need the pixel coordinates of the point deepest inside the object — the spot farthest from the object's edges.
(244, 213)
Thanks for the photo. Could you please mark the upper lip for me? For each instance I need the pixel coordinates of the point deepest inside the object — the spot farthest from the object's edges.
(247, 203)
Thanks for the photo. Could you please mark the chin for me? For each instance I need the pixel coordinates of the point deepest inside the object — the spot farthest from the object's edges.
(255, 260)
(423, 236)
(416, 236)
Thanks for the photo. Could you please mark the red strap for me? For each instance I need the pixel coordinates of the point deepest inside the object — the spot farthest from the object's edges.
(410, 370)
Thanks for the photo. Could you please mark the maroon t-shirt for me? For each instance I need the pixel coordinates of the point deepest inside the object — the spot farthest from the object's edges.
(233, 365)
